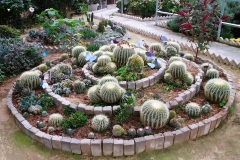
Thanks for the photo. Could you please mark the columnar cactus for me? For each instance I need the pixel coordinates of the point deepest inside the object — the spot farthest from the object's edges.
(177, 69)
(155, 46)
(212, 73)
(77, 50)
(94, 94)
(188, 78)
(110, 92)
(135, 64)
(154, 113)
(205, 108)
(206, 66)
(79, 87)
(55, 119)
(192, 109)
(174, 58)
(103, 60)
(30, 79)
(106, 79)
(122, 53)
(188, 56)
(117, 130)
(82, 59)
(217, 90)
(111, 67)
(175, 45)
(100, 123)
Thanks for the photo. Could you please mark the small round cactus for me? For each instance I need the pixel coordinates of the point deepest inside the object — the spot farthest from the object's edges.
(44, 113)
(43, 67)
(77, 50)
(212, 73)
(112, 46)
(205, 108)
(50, 129)
(174, 123)
(106, 79)
(172, 114)
(74, 61)
(98, 53)
(64, 56)
(192, 109)
(132, 132)
(25, 114)
(100, 123)
(41, 124)
(94, 94)
(103, 60)
(175, 45)
(117, 130)
(110, 92)
(188, 57)
(35, 109)
(206, 66)
(155, 46)
(109, 54)
(171, 51)
(141, 53)
(55, 119)
(147, 130)
(177, 69)
(91, 135)
(174, 58)
(87, 82)
(105, 48)
(48, 64)
(135, 64)
(154, 113)
(82, 59)
(79, 87)
(111, 67)
(168, 78)
(187, 78)
(69, 131)
(217, 90)
(140, 132)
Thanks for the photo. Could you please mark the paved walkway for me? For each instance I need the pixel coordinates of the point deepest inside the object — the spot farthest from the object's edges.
(217, 48)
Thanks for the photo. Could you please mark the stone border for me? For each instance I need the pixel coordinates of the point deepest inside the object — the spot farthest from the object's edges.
(229, 42)
(220, 58)
(142, 83)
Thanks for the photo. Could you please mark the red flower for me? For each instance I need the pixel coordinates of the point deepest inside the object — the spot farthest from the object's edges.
(204, 29)
(210, 39)
(186, 25)
(205, 3)
(185, 11)
(181, 13)
(215, 6)
(188, 5)
(217, 22)
(204, 17)
(224, 17)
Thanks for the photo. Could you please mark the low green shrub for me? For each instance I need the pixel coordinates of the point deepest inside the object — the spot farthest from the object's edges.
(92, 47)
(8, 32)
(87, 33)
(77, 119)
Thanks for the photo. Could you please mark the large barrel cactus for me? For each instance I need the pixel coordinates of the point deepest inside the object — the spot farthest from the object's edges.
(77, 50)
(106, 79)
(110, 92)
(135, 64)
(121, 54)
(154, 113)
(94, 94)
(217, 90)
(177, 69)
(30, 79)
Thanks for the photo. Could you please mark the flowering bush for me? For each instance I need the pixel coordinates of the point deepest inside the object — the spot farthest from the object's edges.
(198, 21)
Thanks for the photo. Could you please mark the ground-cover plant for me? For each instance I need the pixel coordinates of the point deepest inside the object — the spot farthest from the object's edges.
(87, 33)
(198, 21)
(92, 47)
(77, 119)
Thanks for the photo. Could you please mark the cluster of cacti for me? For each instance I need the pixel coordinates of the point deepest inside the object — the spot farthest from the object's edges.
(104, 65)
(121, 53)
(192, 109)
(64, 56)
(62, 88)
(94, 94)
(79, 86)
(77, 50)
(156, 47)
(171, 51)
(188, 56)
(55, 119)
(87, 82)
(100, 123)
(110, 92)
(212, 73)
(60, 72)
(117, 130)
(105, 48)
(206, 66)
(205, 108)
(217, 90)
(174, 58)
(176, 122)
(43, 67)
(175, 45)
(135, 64)
(154, 113)
(35, 109)
(30, 79)
(177, 69)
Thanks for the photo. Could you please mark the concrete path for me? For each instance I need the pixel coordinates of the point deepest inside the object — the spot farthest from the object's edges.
(215, 47)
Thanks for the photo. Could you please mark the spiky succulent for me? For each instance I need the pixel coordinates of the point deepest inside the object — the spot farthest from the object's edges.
(188, 78)
(135, 64)
(110, 92)
(174, 58)
(18, 86)
(48, 64)
(55, 119)
(172, 114)
(217, 90)
(154, 113)
(174, 123)
(205, 108)
(103, 60)
(112, 46)
(60, 72)
(140, 132)
(117, 130)
(171, 51)
(90, 135)
(168, 78)
(82, 59)
(147, 130)
(106, 79)
(50, 129)
(111, 67)
(35, 109)
(175, 45)
(74, 61)
(177, 69)
(178, 83)
(94, 94)
(79, 87)
(77, 50)
(212, 73)
(188, 56)
(121, 54)
(100, 123)
(206, 66)
(105, 48)
(192, 109)
(132, 132)
(98, 53)
(155, 46)
(141, 53)
(64, 56)
(43, 67)
(87, 82)
(30, 79)
(66, 91)
(109, 54)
